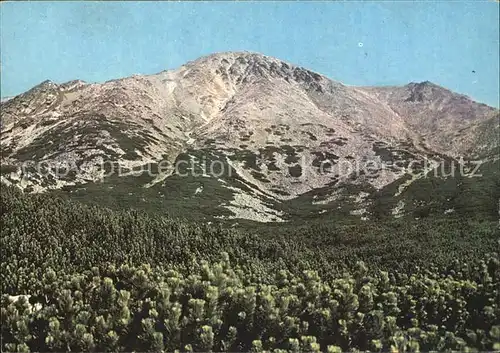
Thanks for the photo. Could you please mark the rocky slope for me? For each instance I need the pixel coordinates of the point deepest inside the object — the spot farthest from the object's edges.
(441, 117)
(278, 133)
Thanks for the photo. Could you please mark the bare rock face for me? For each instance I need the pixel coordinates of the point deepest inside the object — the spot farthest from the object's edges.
(440, 116)
(283, 131)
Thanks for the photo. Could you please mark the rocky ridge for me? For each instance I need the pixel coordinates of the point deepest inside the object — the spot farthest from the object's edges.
(282, 131)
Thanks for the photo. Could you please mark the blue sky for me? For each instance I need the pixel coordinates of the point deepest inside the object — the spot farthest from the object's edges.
(358, 43)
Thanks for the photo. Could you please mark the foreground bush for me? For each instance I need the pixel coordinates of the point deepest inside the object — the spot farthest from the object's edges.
(152, 309)
(76, 278)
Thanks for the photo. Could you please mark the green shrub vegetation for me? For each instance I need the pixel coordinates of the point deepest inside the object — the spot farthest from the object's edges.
(77, 277)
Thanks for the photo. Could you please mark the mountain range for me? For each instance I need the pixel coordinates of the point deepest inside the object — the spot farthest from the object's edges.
(241, 137)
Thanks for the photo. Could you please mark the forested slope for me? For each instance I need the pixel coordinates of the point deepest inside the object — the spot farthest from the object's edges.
(82, 278)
